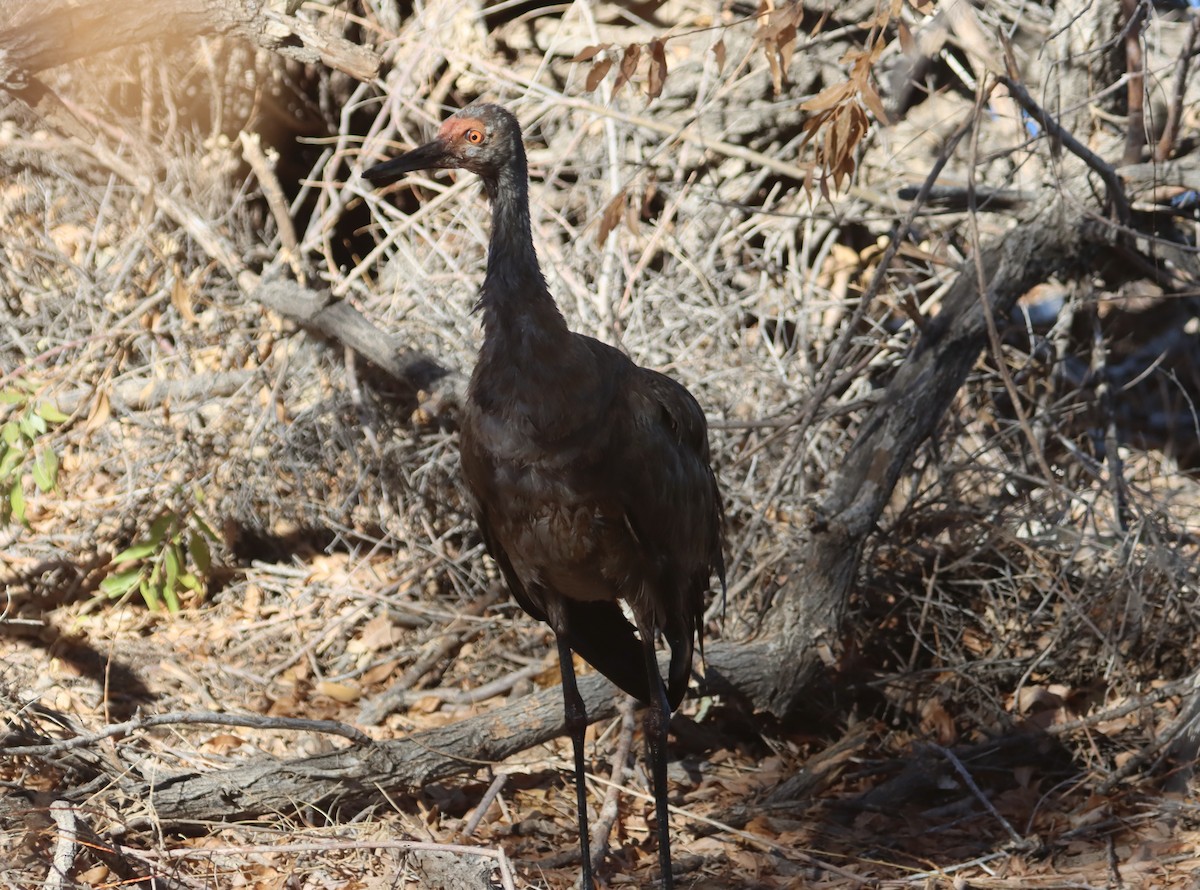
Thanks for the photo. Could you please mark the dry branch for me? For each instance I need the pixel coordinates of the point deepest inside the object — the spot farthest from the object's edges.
(809, 612)
(318, 311)
(65, 848)
(338, 320)
(35, 36)
(361, 771)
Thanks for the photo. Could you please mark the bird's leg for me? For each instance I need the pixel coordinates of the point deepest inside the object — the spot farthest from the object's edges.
(576, 719)
(654, 725)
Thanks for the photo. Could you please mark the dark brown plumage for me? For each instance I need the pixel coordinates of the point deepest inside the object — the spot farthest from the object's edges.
(589, 475)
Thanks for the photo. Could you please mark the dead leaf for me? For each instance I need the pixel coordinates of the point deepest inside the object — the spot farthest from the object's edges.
(1033, 699)
(718, 50)
(99, 414)
(786, 42)
(378, 633)
(612, 216)
(772, 54)
(871, 99)
(223, 743)
(96, 876)
(629, 61)
(426, 704)
(829, 98)
(339, 692)
(938, 722)
(658, 69)
(181, 297)
(597, 73)
(379, 673)
(590, 52)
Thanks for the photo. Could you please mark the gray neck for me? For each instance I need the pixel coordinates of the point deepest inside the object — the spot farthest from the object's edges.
(514, 291)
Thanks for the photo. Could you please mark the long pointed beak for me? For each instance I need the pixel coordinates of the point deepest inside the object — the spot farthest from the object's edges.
(430, 156)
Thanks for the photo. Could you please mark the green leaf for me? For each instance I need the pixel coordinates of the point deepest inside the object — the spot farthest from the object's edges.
(10, 461)
(116, 586)
(205, 528)
(160, 526)
(191, 582)
(45, 469)
(156, 573)
(9, 397)
(137, 551)
(10, 433)
(32, 425)
(200, 552)
(16, 498)
(171, 563)
(150, 593)
(171, 598)
(48, 412)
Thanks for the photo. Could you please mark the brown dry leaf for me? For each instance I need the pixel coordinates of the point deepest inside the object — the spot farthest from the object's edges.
(222, 743)
(786, 41)
(746, 861)
(1117, 725)
(590, 52)
(937, 721)
(761, 826)
(380, 673)
(718, 50)
(377, 634)
(769, 50)
(100, 412)
(975, 642)
(612, 216)
(825, 193)
(597, 73)
(829, 98)
(71, 240)
(633, 54)
(871, 99)
(426, 705)
(265, 877)
(658, 69)
(182, 292)
(96, 876)
(328, 567)
(1035, 699)
(339, 692)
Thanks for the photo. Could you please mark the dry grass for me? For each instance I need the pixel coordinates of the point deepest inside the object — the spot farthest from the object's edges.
(1003, 592)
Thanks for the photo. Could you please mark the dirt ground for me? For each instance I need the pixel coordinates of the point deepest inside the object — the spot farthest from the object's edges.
(220, 522)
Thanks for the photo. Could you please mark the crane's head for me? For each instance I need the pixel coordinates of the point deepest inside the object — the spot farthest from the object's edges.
(482, 138)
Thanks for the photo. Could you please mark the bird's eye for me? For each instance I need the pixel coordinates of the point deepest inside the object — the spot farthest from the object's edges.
(475, 137)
